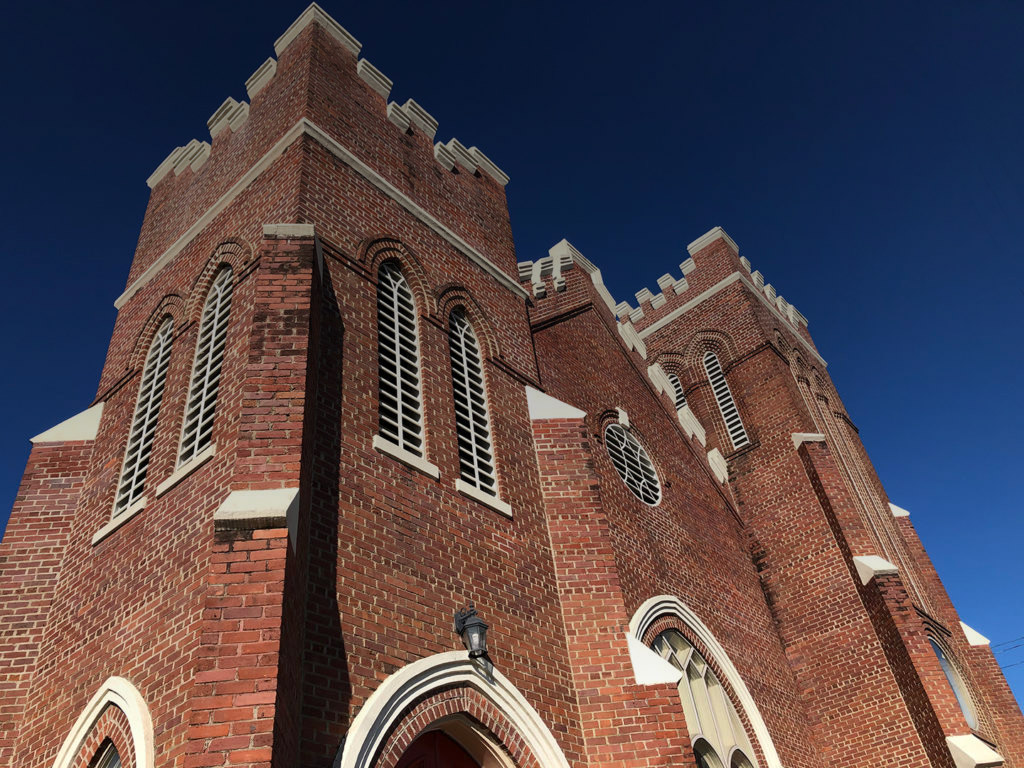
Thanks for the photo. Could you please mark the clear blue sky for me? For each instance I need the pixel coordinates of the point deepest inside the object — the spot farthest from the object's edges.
(865, 156)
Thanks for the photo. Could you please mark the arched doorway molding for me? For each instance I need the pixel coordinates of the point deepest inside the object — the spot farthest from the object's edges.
(475, 739)
(661, 605)
(385, 707)
(118, 692)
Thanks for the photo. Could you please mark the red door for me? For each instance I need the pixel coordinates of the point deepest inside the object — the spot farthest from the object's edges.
(436, 750)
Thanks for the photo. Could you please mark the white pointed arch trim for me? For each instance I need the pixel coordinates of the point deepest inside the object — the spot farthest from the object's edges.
(385, 707)
(661, 605)
(123, 695)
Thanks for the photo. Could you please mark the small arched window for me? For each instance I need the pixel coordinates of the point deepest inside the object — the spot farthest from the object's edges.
(632, 463)
(726, 405)
(108, 757)
(472, 422)
(147, 409)
(677, 391)
(197, 431)
(963, 698)
(398, 362)
(716, 731)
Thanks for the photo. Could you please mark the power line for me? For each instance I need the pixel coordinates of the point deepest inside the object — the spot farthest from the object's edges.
(1007, 642)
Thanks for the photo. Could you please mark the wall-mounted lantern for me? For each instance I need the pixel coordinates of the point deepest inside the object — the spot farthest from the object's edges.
(473, 631)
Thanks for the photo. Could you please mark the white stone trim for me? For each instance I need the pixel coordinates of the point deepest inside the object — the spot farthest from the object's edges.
(687, 266)
(119, 692)
(290, 231)
(238, 115)
(314, 13)
(116, 522)
(306, 128)
(633, 339)
(258, 79)
(564, 252)
(81, 426)
(622, 417)
(745, 262)
(386, 705)
(483, 497)
(898, 511)
(974, 637)
(648, 667)
(190, 153)
(708, 238)
(186, 469)
(423, 119)
(543, 406)
(220, 119)
(722, 284)
(164, 168)
(408, 458)
(719, 466)
(487, 165)
(374, 78)
(276, 507)
(398, 116)
(661, 605)
(869, 566)
(969, 751)
(444, 156)
(691, 425)
(461, 155)
(799, 438)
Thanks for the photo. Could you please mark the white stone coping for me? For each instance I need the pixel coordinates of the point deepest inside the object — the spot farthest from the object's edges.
(969, 751)
(423, 119)
(487, 165)
(164, 168)
(373, 77)
(869, 566)
(398, 116)
(81, 426)
(305, 127)
(444, 156)
(288, 231)
(974, 637)
(408, 458)
(708, 238)
(270, 508)
(119, 692)
(719, 466)
(543, 406)
(116, 522)
(314, 13)
(461, 155)
(484, 498)
(263, 75)
(186, 469)
(220, 119)
(799, 438)
(898, 511)
(648, 667)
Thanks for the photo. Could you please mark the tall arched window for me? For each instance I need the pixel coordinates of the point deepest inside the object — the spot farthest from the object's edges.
(398, 362)
(955, 682)
(677, 391)
(716, 731)
(147, 409)
(472, 423)
(727, 406)
(202, 392)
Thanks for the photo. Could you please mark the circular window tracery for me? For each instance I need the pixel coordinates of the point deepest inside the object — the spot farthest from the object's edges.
(633, 464)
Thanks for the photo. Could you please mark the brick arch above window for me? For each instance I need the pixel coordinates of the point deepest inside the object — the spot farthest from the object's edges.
(702, 342)
(452, 297)
(171, 305)
(375, 252)
(117, 712)
(232, 253)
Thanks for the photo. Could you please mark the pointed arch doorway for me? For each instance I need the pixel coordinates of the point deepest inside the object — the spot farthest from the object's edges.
(436, 749)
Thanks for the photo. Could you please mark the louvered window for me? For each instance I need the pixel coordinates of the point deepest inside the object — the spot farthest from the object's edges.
(733, 424)
(677, 390)
(632, 463)
(202, 394)
(398, 362)
(147, 409)
(476, 460)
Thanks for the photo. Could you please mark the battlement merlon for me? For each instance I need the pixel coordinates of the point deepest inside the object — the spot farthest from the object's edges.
(246, 138)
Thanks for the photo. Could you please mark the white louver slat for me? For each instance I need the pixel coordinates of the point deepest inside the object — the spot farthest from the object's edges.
(197, 430)
(726, 405)
(677, 391)
(147, 409)
(398, 363)
(472, 423)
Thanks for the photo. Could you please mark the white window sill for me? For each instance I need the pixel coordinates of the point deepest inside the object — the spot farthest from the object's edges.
(186, 469)
(118, 521)
(484, 498)
(406, 457)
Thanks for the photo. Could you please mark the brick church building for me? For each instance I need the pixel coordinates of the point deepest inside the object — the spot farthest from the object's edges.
(336, 411)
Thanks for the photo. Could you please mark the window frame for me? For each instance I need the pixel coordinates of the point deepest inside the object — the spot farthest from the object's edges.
(727, 405)
(641, 455)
